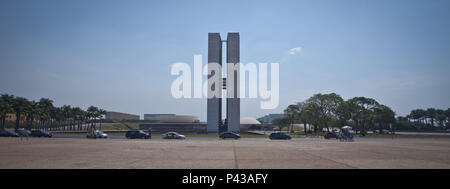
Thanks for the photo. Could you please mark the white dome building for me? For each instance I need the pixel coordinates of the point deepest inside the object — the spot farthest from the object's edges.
(249, 121)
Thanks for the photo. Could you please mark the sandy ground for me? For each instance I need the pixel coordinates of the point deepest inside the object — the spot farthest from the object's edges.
(121, 153)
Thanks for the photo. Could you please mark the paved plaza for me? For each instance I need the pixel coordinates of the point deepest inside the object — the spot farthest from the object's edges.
(74, 153)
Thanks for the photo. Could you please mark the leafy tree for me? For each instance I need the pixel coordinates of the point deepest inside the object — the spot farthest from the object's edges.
(303, 115)
(431, 114)
(440, 117)
(447, 114)
(384, 116)
(344, 113)
(418, 115)
(361, 110)
(324, 108)
(291, 113)
(282, 122)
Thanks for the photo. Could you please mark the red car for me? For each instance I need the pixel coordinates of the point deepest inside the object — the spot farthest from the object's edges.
(329, 135)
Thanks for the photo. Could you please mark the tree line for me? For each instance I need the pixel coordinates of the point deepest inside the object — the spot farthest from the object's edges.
(421, 119)
(325, 111)
(42, 114)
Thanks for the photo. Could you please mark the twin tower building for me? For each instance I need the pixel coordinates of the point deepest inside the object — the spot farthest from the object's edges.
(219, 84)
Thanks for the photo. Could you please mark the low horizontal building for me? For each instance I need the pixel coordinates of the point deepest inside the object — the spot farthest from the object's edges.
(170, 118)
(118, 116)
(174, 127)
(171, 122)
(12, 117)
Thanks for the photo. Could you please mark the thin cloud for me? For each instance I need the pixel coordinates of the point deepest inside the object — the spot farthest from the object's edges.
(295, 50)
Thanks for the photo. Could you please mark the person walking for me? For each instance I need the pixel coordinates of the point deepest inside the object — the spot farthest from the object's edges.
(150, 133)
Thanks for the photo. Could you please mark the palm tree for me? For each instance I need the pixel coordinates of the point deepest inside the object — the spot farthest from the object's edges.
(58, 116)
(92, 113)
(46, 107)
(67, 114)
(19, 105)
(102, 113)
(31, 113)
(78, 116)
(5, 108)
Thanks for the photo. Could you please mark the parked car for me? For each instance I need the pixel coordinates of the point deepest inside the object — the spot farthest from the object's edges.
(232, 135)
(40, 133)
(329, 135)
(8, 133)
(381, 131)
(137, 134)
(173, 135)
(96, 134)
(279, 135)
(23, 132)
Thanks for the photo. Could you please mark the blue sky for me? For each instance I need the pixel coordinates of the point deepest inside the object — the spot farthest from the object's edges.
(117, 54)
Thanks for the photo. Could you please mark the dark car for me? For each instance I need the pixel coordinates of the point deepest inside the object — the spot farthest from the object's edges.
(279, 135)
(41, 133)
(8, 133)
(229, 135)
(173, 135)
(23, 132)
(137, 134)
(329, 135)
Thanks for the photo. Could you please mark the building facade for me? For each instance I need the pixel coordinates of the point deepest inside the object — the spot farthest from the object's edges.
(12, 117)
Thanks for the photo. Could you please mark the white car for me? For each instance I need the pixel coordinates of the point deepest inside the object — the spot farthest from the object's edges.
(97, 134)
(173, 135)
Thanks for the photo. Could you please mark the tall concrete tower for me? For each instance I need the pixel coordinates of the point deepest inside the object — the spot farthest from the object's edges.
(233, 100)
(214, 114)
